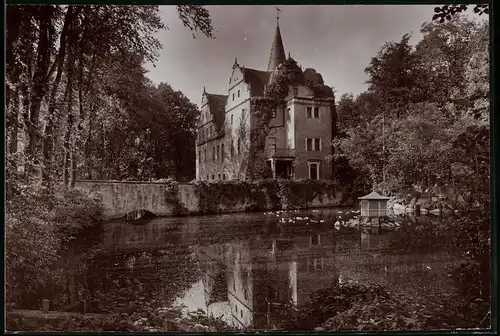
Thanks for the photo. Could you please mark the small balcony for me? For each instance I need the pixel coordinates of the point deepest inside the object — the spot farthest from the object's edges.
(280, 153)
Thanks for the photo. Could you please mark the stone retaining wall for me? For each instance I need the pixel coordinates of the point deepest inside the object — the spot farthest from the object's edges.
(171, 199)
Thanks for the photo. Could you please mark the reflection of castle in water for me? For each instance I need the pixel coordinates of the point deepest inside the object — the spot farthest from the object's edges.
(258, 276)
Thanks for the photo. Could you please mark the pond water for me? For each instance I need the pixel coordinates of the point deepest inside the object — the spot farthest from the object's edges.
(244, 267)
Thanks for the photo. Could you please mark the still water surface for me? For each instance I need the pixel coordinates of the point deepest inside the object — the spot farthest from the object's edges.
(245, 266)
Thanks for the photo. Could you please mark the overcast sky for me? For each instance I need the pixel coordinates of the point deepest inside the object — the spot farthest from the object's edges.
(337, 41)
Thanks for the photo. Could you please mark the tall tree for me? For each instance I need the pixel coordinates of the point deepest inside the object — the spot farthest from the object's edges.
(392, 76)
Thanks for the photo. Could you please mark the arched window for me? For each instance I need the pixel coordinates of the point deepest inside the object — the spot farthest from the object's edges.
(313, 170)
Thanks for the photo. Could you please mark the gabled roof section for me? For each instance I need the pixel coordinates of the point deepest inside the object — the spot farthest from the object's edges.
(373, 196)
(257, 79)
(217, 105)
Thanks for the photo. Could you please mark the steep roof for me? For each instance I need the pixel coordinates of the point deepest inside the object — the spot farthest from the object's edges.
(257, 79)
(373, 196)
(217, 104)
(277, 55)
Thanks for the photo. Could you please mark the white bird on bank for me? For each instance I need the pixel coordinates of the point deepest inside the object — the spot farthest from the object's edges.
(337, 225)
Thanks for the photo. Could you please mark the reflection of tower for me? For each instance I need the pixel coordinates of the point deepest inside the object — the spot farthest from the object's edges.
(240, 285)
(214, 269)
(265, 274)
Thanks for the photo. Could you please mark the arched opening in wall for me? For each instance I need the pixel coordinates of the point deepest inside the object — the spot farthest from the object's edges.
(139, 215)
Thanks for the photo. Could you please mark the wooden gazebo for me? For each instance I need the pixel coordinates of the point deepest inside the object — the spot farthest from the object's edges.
(373, 205)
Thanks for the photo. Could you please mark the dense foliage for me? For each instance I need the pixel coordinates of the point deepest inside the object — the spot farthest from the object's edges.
(37, 228)
(77, 98)
(423, 125)
(448, 11)
(263, 195)
(78, 105)
(423, 105)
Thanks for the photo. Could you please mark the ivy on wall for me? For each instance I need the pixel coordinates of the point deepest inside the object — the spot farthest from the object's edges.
(172, 197)
(263, 109)
(261, 195)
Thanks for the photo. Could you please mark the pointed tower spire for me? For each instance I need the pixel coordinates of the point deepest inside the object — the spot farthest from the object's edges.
(277, 55)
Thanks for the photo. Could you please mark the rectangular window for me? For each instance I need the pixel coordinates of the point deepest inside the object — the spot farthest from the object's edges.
(309, 144)
(222, 152)
(232, 148)
(313, 171)
(238, 93)
(243, 114)
(217, 156)
(199, 156)
(218, 176)
(309, 112)
(313, 144)
(316, 112)
(233, 96)
(224, 177)
(239, 146)
(205, 155)
(213, 153)
(288, 114)
(213, 177)
(231, 119)
(208, 177)
(295, 91)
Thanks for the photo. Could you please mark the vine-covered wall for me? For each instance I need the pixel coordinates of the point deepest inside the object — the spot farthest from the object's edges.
(263, 195)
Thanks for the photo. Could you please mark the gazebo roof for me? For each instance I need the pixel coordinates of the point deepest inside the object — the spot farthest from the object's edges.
(373, 196)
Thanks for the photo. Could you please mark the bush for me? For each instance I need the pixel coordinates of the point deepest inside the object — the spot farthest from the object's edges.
(349, 306)
(37, 226)
(328, 302)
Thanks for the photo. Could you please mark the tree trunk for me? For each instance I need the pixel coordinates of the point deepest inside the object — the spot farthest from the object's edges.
(70, 123)
(88, 144)
(39, 84)
(103, 153)
(67, 149)
(48, 143)
(13, 122)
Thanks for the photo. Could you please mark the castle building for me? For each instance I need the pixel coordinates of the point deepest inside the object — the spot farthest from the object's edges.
(302, 128)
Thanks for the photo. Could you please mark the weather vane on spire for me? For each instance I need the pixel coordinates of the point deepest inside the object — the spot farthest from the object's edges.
(278, 10)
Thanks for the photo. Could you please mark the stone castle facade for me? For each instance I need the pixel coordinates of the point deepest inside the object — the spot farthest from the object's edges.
(301, 133)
